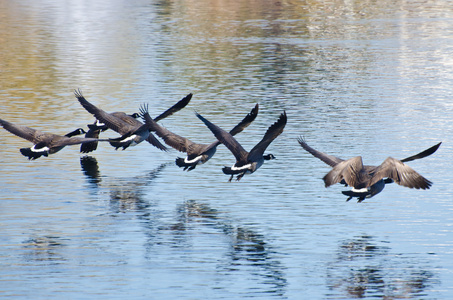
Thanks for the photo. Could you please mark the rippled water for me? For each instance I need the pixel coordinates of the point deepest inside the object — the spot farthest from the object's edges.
(355, 78)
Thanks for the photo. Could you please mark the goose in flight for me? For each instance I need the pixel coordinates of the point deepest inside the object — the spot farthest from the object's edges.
(246, 162)
(45, 143)
(367, 181)
(132, 130)
(196, 153)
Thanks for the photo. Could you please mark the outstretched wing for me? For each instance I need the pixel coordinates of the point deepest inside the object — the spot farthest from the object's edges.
(401, 173)
(227, 139)
(173, 140)
(423, 154)
(67, 141)
(111, 121)
(249, 118)
(328, 159)
(271, 134)
(24, 132)
(175, 108)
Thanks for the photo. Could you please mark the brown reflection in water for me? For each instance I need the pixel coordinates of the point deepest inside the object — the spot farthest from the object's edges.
(365, 268)
(49, 48)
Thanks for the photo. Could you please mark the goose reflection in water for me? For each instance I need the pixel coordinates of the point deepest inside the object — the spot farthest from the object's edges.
(90, 168)
(365, 268)
(44, 249)
(125, 193)
(248, 249)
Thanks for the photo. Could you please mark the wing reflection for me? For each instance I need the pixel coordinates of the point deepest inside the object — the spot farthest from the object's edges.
(128, 193)
(125, 193)
(44, 249)
(248, 250)
(365, 268)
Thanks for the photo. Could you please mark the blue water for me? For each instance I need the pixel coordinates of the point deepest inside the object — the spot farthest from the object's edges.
(355, 78)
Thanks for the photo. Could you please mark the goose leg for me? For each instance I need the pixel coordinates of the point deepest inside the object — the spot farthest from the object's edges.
(240, 176)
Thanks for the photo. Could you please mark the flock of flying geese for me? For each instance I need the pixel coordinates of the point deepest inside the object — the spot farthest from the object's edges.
(366, 181)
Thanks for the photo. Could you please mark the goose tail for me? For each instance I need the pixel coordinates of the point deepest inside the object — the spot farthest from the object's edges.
(119, 143)
(32, 155)
(182, 164)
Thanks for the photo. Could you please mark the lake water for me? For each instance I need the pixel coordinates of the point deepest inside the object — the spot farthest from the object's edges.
(370, 78)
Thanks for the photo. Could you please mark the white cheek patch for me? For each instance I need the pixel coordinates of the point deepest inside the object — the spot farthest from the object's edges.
(43, 149)
(244, 167)
(99, 123)
(196, 159)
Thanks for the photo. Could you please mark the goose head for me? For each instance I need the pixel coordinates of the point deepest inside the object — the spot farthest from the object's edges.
(269, 156)
(78, 131)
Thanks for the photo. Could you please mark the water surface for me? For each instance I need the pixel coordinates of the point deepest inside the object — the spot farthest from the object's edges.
(355, 78)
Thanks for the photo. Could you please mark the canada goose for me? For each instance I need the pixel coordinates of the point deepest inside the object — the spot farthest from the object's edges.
(367, 181)
(246, 162)
(96, 128)
(196, 153)
(45, 143)
(132, 131)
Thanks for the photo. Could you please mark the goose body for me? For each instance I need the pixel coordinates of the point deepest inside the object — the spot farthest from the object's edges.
(44, 143)
(132, 131)
(97, 127)
(196, 153)
(367, 181)
(246, 162)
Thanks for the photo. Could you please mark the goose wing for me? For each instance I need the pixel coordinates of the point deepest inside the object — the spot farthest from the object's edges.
(422, 154)
(328, 159)
(227, 139)
(129, 119)
(350, 170)
(30, 134)
(175, 108)
(59, 141)
(401, 173)
(171, 139)
(249, 118)
(113, 122)
(155, 142)
(271, 134)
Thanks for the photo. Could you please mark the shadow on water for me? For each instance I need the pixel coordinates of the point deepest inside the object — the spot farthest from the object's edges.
(247, 250)
(365, 268)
